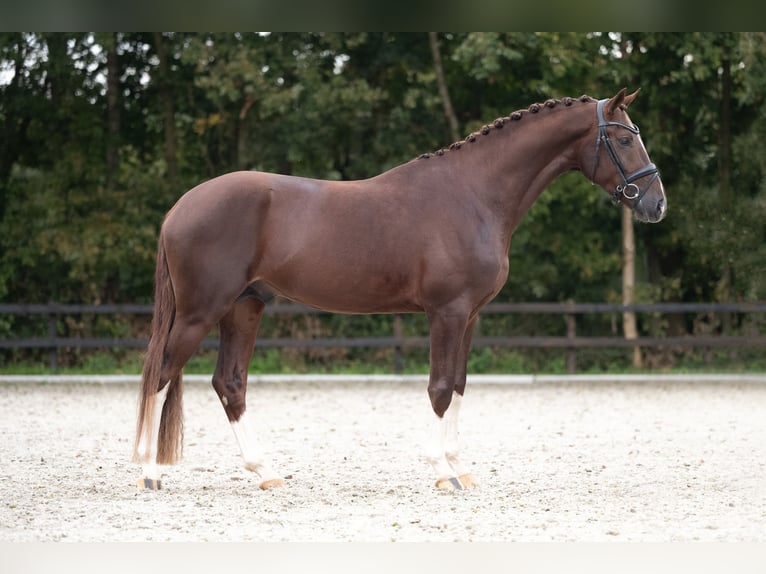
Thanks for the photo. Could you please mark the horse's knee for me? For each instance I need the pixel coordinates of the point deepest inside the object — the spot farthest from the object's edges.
(440, 393)
(231, 392)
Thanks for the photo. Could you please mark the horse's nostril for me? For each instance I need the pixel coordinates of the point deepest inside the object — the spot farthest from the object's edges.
(661, 207)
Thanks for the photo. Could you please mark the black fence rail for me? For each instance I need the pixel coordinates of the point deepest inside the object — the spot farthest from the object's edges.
(569, 311)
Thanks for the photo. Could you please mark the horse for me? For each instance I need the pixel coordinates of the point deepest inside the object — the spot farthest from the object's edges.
(431, 236)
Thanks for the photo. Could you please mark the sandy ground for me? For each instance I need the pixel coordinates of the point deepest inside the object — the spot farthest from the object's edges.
(556, 462)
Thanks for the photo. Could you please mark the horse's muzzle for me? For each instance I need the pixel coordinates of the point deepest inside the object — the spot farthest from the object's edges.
(651, 207)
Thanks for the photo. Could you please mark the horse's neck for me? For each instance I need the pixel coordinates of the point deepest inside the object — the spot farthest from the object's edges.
(522, 161)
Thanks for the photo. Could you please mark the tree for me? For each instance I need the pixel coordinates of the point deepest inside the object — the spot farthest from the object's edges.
(449, 112)
(629, 326)
(100, 134)
(165, 87)
(113, 113)
(14, 116)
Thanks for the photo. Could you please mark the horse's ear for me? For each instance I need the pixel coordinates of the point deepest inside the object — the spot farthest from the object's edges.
(629, 99)
(614, 103)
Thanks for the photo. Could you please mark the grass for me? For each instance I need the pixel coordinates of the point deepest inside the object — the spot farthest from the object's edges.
(482, 361)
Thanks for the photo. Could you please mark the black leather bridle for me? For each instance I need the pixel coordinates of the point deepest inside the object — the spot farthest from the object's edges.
(627, 187)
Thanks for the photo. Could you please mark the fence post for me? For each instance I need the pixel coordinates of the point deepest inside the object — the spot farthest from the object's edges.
(398, 329)
(571, 322)
(53, 354)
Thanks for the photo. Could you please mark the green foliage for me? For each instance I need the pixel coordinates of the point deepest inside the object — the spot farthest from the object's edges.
(87, 173)
(567, 247)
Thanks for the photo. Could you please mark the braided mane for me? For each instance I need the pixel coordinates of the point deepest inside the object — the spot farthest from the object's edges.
(499, 123)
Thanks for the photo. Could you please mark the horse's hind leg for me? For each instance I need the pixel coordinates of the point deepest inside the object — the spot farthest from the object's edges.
(238, 329)
(149, 445)
(163, 442)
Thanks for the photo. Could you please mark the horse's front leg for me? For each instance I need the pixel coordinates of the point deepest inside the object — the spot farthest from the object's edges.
(238, 330)
(450, 344)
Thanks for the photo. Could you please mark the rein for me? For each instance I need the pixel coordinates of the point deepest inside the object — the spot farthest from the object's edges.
(621, 190)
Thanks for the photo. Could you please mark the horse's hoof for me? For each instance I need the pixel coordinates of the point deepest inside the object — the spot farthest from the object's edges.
(468, 481)
(449, 484)
(149, 483)
(272, 483)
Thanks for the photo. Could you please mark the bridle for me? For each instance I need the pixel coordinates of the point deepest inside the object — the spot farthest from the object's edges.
(626, 188)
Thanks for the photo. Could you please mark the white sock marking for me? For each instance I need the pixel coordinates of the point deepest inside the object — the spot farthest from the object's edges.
(248, 445)
(452, 445)
(442, 449)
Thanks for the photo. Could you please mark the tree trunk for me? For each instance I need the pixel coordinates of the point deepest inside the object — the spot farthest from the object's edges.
(242, 158)
(165, 85)
(629, 327)
(724, 173)
(15, 122)
(449, 113)
(113, 110)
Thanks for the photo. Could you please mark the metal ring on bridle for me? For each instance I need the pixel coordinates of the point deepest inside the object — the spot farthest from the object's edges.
(624, 188)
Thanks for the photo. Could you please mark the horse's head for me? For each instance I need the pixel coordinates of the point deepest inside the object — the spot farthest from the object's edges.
(620, 163)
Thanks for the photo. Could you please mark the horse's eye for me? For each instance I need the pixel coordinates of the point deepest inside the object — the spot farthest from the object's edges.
(625, 140)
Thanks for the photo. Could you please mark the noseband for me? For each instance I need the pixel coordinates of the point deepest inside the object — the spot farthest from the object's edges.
(627, 188)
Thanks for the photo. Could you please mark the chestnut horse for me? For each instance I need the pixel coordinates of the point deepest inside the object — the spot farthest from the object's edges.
(431, 235)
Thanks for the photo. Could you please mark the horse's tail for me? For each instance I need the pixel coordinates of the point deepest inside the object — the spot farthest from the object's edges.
(170, 441)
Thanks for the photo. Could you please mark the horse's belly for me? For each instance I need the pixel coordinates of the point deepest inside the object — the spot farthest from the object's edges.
(346, 301)
(356, 289)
